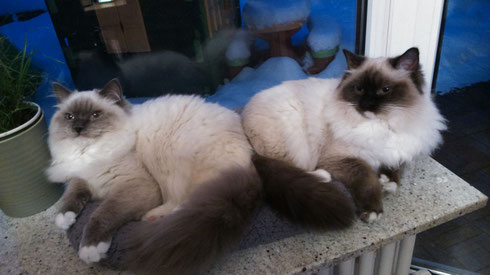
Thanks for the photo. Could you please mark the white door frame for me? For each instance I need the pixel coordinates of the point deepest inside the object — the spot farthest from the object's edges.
(393, 26)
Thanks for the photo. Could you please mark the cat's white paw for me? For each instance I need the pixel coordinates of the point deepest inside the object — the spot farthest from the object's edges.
(383, 178)
(160, 211)
(65, 220)
(388, 186)
(322, 174)
(94, 253)
(152, 215)
(370, 217)
(177, 208)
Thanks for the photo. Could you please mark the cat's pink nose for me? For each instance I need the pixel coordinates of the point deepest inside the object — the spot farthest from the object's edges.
(78, 129)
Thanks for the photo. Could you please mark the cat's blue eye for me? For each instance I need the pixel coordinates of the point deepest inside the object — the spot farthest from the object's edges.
(69, 116)
(95, 114)
(385, 89)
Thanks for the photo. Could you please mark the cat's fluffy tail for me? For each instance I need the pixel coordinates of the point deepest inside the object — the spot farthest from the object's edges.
(303, 197)
(214, 217)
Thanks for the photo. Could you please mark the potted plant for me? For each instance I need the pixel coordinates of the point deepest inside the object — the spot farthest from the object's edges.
(24, 154)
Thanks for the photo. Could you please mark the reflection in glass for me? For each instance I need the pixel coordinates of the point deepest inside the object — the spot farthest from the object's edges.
(226, 50)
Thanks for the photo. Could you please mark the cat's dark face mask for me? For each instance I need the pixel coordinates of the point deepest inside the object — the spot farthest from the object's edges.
(372, 89)
(84, 116)
(86, 120)
(373, 92)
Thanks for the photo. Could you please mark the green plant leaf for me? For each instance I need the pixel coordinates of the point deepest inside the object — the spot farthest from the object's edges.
(18, 83)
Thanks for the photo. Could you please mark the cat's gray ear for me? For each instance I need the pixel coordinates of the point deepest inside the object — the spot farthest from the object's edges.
(61, 92)
(353, 60)
(112, 90)
(408, 61)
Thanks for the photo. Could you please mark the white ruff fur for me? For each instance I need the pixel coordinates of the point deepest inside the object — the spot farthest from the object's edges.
(177, 141)
(304, 121)
(388, 140)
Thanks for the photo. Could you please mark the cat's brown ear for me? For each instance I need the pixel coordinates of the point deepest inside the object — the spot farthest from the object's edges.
(61, 92)
(408, 61)
(112, 90)
(353, 60)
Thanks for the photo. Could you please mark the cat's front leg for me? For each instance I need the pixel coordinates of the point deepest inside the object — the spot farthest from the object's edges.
(126, 203)
(389, 178)
(362, 182)
(76, 195)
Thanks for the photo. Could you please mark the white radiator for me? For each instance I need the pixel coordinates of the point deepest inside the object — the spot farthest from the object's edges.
(392, 259)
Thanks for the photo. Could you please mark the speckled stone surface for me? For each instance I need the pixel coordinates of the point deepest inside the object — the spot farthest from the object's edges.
(430, 195)
(34, 245)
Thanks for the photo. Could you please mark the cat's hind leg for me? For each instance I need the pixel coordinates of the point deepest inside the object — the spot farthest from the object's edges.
(161, 211)
(281, 137)
(362, 182)
(175, 189)
(76, 195)
(125, 203)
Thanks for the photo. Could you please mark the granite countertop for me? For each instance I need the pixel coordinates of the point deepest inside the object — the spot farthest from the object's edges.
(430, 195)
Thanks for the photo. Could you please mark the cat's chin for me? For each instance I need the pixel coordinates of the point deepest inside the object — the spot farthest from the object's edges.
(366, 114)
(86, 136)
(369, 115)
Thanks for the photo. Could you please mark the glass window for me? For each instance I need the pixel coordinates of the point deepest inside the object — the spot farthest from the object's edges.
(462, 84)
(465, 51)
(226, 50)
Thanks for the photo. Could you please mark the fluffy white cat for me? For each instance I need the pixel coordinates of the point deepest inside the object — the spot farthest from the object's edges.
(373, 119)
(146, 161)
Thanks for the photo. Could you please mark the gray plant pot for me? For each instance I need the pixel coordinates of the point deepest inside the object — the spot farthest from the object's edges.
(24, 155)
